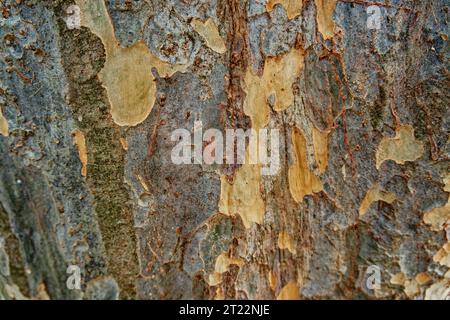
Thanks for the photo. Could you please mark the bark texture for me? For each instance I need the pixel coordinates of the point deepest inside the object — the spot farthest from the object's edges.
(86, 177)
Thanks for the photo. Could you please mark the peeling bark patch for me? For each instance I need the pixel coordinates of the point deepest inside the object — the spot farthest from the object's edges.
(272, 278)
(443, 255)
(373, 195)
(124, 144)
(278, 77)
(439, 290)
(208, 31)
(243, 195)
(285, 241)
(398, 279)
(289, 292)
(127, 75)
(325, 23)
(438, 217)
(223, 263)
(302, 181)
(320, 142)
(4, 129)
(292, 7)
(80, 141)
(403, 147)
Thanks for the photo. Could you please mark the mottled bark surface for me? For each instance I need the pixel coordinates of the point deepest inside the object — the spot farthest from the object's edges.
(86, 176)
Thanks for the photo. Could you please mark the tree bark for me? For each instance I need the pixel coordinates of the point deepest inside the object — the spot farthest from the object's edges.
(86, 178)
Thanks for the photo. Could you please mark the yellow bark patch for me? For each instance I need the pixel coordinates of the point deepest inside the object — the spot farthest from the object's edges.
(320, 142)
(4, 129)
(223, 263)
(403, 147)
(325, 23)
(278, 77)
(292, 7)
(243, 196)
(373, 195)
(80, 141)
(289, 292)
(208, 31)
(285, 241)
(302, 181)
(126, 76)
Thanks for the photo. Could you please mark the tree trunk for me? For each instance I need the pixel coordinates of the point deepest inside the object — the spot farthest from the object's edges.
(91, 92)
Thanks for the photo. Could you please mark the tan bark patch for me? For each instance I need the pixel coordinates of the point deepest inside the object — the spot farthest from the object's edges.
(438, 291)
(289, 292)
(439, 217)
(411, 288)
(208, 31)
(223, 263)
(398, 279)
(243, 196)
(373, 195)
(302, 181)
(80, 141)
(277, 79)
(272, 280)
(320, 141)
(4, 129)
(285, 241)
(403, 147)
(126, 75)
(325, 23)
(443, 255)
(292, 7)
